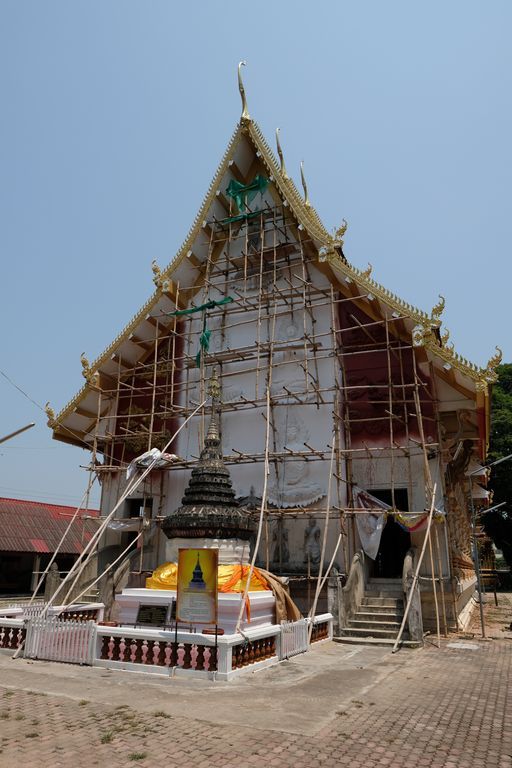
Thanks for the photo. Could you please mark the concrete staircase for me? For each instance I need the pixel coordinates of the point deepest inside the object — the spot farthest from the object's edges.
(379, 616)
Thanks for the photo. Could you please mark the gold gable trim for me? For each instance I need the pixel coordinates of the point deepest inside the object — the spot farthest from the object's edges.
(329, 251)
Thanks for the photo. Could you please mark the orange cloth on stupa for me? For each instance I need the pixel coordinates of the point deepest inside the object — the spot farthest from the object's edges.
(230, 578)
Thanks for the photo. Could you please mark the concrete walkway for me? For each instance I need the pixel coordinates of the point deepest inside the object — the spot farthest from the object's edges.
(337, 705)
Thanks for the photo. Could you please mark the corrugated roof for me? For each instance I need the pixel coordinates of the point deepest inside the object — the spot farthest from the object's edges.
(32, 526)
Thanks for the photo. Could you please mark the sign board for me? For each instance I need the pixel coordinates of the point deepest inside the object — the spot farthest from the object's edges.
(197, 586)
(152, 615)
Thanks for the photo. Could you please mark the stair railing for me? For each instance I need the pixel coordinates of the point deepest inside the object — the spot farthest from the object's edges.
(352, 593)
(412, 597)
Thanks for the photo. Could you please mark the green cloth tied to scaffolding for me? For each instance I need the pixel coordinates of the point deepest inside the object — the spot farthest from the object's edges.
(240, 217)
(243, 194)
(209, 305)
(204, 339)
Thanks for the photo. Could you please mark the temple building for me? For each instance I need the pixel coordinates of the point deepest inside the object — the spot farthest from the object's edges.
(345, 415)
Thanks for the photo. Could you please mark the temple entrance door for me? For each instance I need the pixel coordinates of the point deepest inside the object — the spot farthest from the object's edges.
(394, 541)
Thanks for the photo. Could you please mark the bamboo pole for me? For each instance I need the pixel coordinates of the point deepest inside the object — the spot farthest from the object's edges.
(324, 541)
(434, 590)
(260, 523)
(441, 582)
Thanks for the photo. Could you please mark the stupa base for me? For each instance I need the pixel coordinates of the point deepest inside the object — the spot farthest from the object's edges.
(260, 611)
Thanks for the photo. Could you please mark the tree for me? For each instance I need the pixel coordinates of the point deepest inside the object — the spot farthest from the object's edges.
(498, 525)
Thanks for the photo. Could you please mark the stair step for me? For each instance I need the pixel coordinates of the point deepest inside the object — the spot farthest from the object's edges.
(375, 601)
(376, 609)
(392, 626)
(379, 641)
(360, 632)
(380, 615)
(384, 594)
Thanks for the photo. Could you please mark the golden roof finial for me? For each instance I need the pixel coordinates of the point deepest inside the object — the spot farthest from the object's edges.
(245, 112)
(281, 156)
(437, 311)
(86, 366)
(214, 385)
(445, 336)
(304, 185)
(50, 413)
(368, 271)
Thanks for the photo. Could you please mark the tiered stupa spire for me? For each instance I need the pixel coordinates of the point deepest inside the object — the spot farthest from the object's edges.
(208, 507)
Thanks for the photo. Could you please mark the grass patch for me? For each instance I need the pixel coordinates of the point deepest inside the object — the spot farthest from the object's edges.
(122, 706)
(137, 756)
(5, 714)
(31, 735)
(7, 694)
(160, 713)
(107, 737)
(19, 716)
(82, 702)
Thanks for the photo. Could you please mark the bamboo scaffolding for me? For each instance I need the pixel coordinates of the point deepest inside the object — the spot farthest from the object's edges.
(264, 266)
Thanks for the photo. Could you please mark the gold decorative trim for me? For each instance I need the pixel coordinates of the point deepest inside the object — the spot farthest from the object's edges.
(307, 216)
(328, 245)
(366, 282)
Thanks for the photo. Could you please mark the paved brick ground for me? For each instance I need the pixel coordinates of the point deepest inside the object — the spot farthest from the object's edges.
(447, 708)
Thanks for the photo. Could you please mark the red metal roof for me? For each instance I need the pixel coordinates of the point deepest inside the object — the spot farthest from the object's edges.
(32, 526)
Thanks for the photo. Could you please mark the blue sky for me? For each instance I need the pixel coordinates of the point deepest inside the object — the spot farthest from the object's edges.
(115, 116)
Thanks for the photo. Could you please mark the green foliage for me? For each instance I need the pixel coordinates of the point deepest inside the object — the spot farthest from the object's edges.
(498, 525)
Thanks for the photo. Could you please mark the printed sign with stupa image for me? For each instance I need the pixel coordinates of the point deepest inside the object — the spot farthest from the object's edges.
(197, 586)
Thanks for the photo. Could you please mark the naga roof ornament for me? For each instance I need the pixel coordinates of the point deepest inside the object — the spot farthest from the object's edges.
(437, 311)
(366, 273)
(340, 232)
(50, 414)
(490, 374)
(157, 273)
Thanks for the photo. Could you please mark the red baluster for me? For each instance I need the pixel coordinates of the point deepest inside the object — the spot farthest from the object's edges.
(187, 656)
(200, 657)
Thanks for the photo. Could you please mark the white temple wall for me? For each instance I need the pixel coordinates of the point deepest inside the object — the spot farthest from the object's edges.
(293, 482)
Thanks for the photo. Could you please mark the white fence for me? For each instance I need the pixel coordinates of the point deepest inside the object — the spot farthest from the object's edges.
(294, 638)
(56, 639)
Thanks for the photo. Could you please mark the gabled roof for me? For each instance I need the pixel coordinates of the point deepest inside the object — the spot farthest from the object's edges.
(32, 526)
(423, 327)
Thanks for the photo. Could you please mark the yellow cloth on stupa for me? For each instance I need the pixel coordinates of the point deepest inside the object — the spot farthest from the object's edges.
(230, 578)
